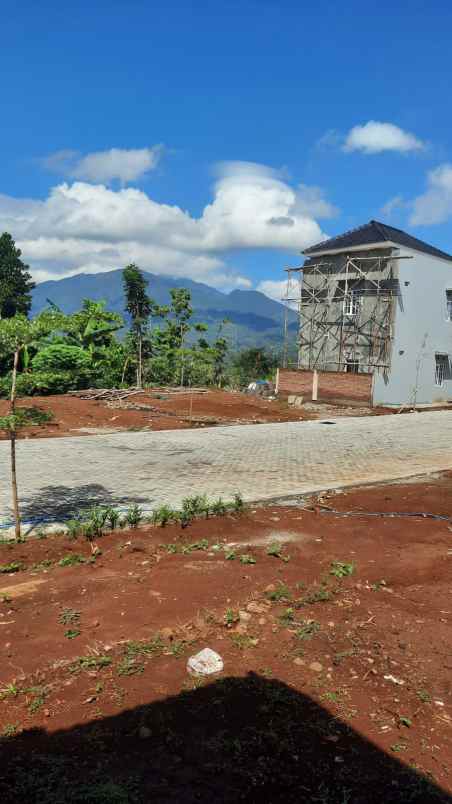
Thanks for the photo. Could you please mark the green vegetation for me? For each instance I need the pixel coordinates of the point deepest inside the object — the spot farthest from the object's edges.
(13, 566)
(71, 560)
(341, 569)
(281, 593)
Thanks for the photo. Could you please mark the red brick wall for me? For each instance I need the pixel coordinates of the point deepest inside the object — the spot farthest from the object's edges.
(332, 385)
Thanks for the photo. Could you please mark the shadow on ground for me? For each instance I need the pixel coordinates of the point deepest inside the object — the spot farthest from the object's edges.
(53, 503)
(245, 739)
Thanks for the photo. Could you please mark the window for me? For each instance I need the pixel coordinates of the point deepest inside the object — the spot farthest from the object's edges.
(352, 303)
(449, 304)
(352, 365)
(442, 369)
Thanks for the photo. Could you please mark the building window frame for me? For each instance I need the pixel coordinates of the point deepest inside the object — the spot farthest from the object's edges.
(352, 303)
(448, 304)
(442, 368)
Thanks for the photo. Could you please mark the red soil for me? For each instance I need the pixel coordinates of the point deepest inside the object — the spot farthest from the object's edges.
(348, 697)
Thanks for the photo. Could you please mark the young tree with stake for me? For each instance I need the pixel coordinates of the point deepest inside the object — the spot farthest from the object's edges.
(15, 335)
(139, 306)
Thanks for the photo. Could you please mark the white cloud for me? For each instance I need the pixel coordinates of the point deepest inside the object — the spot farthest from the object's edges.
(393, 204)
(435, 205)
(273, 289)
(123, 164)
(374, 137)
(83, 227)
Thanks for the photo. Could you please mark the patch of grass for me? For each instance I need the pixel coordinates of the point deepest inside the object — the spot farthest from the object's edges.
(38, 700)
(316, 595)
(71, 560)
(13, 566)
(177, 648)
(69, 617)
(42, 565)
(9, 691)
(287, 617)
(274, 550)
(243, 641)
(203, 544)
(218, 507)
(424, 696)
(9, 731)
(129, 667)
(341, 569)
(399, 747)
(281, 593)
(230, 555)
(74, 527)
(134, 515)
(378, 585)
(72, 633)
(90, 663)
(238, 504)
(307, 630)
(163, 515)
(231, 616)
(246, 558)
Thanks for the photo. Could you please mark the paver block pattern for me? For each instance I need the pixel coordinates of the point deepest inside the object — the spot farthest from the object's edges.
(59, 476)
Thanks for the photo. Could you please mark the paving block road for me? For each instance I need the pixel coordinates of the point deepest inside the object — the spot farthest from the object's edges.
(60, 476)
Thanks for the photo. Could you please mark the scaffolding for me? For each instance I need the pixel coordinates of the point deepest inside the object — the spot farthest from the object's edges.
(346, 309)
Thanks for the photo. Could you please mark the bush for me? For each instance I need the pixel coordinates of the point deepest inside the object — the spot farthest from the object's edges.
(41, 383)
(60, 357)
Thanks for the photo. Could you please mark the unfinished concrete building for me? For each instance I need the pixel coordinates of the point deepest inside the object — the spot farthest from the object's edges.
(376, 303)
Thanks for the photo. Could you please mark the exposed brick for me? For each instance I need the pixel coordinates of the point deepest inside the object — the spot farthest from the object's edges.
(332, 384)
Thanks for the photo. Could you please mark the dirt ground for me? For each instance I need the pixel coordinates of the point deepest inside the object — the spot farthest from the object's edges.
(166, 411)
(336, 645)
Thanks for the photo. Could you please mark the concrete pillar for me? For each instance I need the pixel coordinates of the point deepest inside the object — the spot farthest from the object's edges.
(315, 385)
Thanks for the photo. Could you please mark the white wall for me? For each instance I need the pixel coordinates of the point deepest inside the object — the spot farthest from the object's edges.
(420, 316)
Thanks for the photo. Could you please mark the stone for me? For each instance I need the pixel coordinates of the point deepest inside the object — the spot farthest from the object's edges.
(298, 401)
(299, 661)
(262, 620)
(257, 608)
(291, 399)
(205, 663)
(167, 633)
(244, 616)
(270, 588)
(144, 733)
(316, 667)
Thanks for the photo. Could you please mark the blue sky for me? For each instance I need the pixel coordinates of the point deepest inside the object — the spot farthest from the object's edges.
(242, 132)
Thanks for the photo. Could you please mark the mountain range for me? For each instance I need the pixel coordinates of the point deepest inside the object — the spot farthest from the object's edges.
(254, 319)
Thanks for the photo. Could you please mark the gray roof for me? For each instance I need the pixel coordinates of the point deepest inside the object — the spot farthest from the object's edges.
(375, 232)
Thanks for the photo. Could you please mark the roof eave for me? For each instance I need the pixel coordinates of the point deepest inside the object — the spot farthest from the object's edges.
(346, 249)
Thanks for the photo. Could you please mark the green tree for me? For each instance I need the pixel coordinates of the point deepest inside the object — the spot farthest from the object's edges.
(139, 306)
(253, 364)
(15, 280)
(15, 334)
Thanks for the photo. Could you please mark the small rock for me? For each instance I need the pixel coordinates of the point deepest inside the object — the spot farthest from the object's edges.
(257, 608)
(316, 667)
(95, 623)
(205, 663)
(299, 661)
(262, 620)
(167, 633)
(46, 713)
(270, 588)
(244, 616)
(144, 733)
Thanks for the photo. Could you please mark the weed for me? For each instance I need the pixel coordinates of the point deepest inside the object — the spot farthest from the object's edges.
(129, 667)
(71, 560)
(281, 593)
(163, 515)
(177, 648)
(246, 558)
(203, 544)
(287, 617)
(243, 641)
(218, 507)
(172, 548)
(307, 629)
(13, 566)
(267, 672)
(9, 691)
(331, 697)
(40, 534)
(424, 696)
(341, 569)
(194, 506)
(72, 633)
(238, 504)
(320, 595)
(90, 663)
(405, 721)
(69, 617)
(378, 585)
(41, 566)
(398, 747)
(229, 555)
(9, 730)
(112, 518)
(274, 550)
(338, 658)
(5, 599)
(231, 617)
(153, 647)
(38, 700)
(134, 515)
(74, 528)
